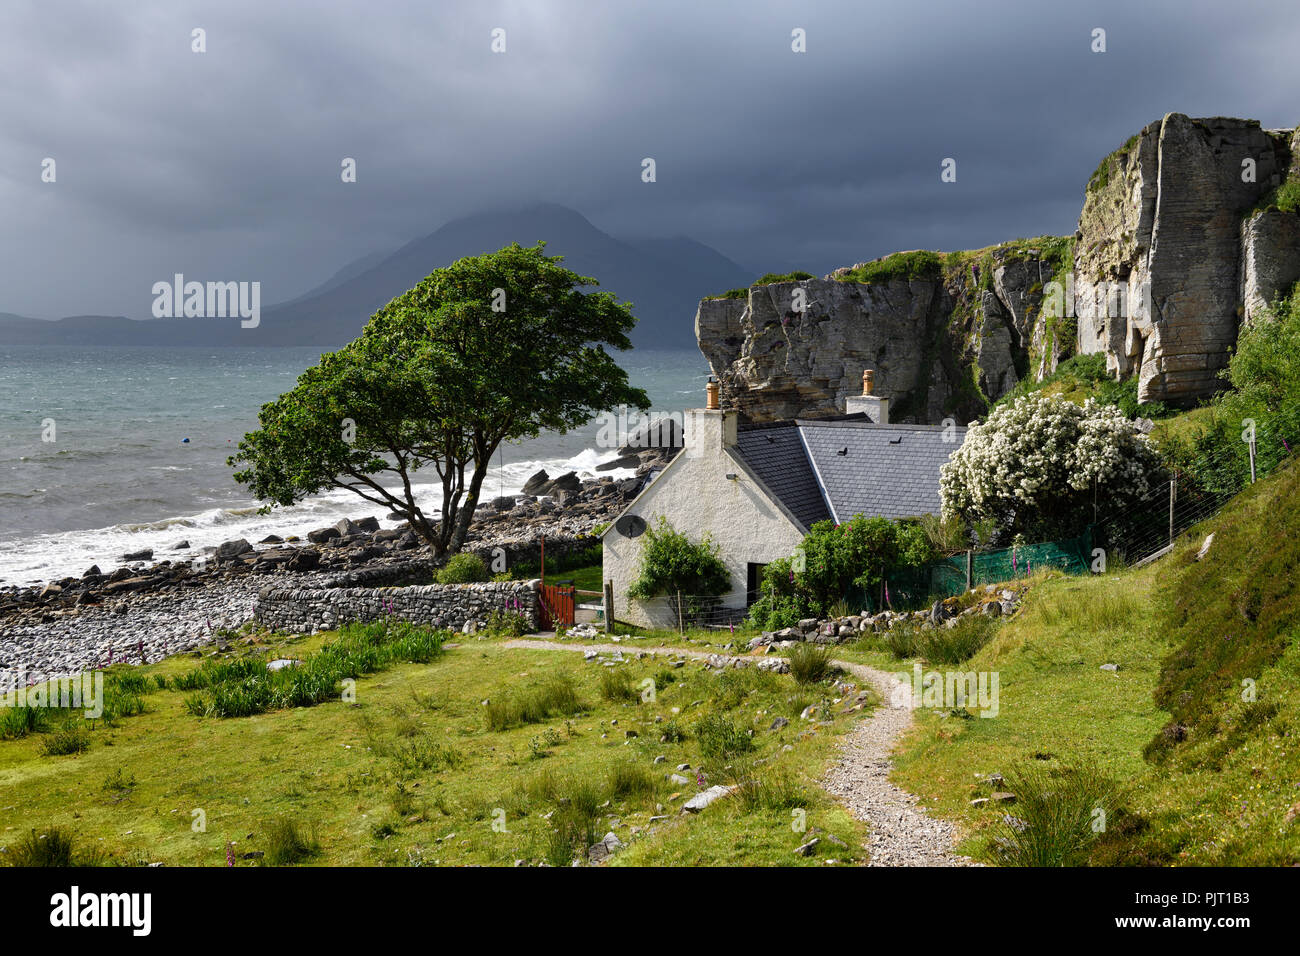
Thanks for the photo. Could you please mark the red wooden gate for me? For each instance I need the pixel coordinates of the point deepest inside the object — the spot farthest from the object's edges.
(557, 607)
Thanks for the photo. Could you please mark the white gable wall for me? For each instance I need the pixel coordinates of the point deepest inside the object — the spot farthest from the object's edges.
(696, 497)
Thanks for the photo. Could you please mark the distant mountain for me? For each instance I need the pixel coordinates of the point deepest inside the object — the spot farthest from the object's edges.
(664, 279)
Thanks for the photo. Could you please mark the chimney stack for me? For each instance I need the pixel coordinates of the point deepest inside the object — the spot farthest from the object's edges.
(711, 394)
(875, 406)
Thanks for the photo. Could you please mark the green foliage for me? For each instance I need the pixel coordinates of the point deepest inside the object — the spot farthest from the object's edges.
(1085, 376)
(672, 564)
(836, 559)
(464, 568)
(506, 624)
(18, 722)
(71, 738)
(441, 376)
(771, 278)
(909, 266)
(628, 779)
(1265, 369)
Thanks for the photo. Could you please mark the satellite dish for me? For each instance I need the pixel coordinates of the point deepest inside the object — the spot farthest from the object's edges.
(630, 526)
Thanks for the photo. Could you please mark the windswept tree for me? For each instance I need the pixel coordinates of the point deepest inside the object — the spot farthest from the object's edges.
(490, 349)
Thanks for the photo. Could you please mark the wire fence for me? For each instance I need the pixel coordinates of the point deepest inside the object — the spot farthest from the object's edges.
(1213, 476)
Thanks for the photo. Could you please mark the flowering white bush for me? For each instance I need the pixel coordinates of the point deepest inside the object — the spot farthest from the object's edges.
(1037, 466)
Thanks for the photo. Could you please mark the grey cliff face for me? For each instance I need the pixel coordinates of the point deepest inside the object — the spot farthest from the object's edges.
(1179, 242)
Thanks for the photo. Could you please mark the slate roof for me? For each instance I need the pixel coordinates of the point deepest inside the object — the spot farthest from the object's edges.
(775, 453)
(837, 468)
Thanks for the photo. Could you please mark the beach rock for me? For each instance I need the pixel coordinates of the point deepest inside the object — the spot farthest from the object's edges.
(568, 481)
(92, 571)
(145, 555)
(229, 550)
(180, 545)
(535, 484)
(321, 535)
(271, 539)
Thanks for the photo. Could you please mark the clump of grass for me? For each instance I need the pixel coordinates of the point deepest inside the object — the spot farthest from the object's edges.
(287, 843)
(71, 738)
(243, 687)
(901, 640)
(555, 698)
(959, 643)
(719, 736)
(422, 753)
(628, 779)
(1057, 816)
(16, 722)
(616, 684)
(811, 663)
(672, 733)
(772, 788)
(55, 847)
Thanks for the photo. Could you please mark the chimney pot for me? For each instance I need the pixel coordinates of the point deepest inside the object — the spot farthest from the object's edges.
(868, 381)
(711, 394)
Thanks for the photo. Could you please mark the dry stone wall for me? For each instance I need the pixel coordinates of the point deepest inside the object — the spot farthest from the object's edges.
(307, 610)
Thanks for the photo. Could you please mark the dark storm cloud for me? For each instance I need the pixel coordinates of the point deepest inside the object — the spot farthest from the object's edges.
(226, 164)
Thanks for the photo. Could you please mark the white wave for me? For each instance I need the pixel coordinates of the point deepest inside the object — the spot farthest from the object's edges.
(44, 557)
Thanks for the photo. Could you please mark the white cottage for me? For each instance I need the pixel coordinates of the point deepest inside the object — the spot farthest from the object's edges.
(757, 489)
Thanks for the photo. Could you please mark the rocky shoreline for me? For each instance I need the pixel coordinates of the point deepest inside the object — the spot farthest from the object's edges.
(144, 610)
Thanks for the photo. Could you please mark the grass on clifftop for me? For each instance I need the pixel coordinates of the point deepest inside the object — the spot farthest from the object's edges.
(1195, 773)
(413, 772)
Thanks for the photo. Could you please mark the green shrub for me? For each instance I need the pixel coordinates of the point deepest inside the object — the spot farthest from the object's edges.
(463, 568)
(501, 623)
(71, 738)
(673, 565)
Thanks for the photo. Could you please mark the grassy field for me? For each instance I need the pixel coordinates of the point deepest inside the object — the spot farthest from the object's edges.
(485, 755)
(1187, 769)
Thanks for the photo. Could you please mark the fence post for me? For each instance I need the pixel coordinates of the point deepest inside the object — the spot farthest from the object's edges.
(1252, 458)
(681, 628)
(1171, 511)
(970, 569)
(609, 607)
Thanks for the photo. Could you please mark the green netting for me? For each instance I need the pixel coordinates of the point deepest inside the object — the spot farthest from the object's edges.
(910, 588)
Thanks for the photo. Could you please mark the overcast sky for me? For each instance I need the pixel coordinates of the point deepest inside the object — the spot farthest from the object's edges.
(225, 164)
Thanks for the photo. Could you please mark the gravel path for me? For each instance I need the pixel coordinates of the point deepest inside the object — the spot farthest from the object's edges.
(900, 832)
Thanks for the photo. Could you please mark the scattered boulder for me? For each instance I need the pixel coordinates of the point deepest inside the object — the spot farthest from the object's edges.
(145, 555)
(535, 484)
(706, 797)
(229, 550)
(367, 525)
(321, 535)
(92, 571)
